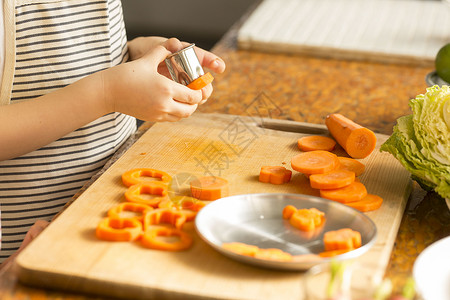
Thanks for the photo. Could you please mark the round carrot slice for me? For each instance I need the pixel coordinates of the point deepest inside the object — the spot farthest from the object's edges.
(350, 193)
(140, 175)
(209, 188)
(368, 203)
(315, 162)
(332, 180)
(274, 174)
(351, 164)
(316, 142)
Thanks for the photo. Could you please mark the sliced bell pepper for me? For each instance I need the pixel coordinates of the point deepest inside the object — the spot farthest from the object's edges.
(182, 202)
(116, 212)
(136, 176)
(174, 217)
(150, 239)
(154, 188)
(119, 230)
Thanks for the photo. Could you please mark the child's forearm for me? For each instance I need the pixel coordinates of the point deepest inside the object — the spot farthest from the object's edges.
(29, 125)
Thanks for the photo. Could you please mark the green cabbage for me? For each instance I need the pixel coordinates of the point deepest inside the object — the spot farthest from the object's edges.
(421, 141)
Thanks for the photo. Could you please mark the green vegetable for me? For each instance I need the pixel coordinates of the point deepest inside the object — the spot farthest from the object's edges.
(421, 141)
(442, 63)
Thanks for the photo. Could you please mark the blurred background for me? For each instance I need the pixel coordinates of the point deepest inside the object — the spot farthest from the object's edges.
(202, 22)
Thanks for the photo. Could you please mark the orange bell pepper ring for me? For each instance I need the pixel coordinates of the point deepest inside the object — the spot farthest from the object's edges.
(136, 176)
(159, 190)
(174, 217)
(119, 230)
(141, 209)
(150, 239)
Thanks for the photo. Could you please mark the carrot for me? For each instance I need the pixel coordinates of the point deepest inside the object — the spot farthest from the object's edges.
(307, 219)
(201, 82)
(315, 162)
(357, 141)
(350, 193)
(241, 248)
(140, 175)
(174, 217)
(368, 203)
(351, 164)
(135, 193)
(342, 239)
(273, 254)
(288, 211)
(117, 211)
(332, 180)
(274, 174)
(332, 253)
(305, 257)
(316, 142)
(150, 239)
(119, 230)
(209, 188)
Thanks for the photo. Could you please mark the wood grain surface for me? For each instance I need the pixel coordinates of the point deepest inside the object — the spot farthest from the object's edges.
(68, 256)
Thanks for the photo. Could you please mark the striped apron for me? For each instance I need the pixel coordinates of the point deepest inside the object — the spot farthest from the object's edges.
(50, 44)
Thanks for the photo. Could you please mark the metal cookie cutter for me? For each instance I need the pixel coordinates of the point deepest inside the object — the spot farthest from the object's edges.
(185, 68)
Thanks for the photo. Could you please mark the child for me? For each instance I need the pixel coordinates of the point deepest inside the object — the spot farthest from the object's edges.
(69, 100)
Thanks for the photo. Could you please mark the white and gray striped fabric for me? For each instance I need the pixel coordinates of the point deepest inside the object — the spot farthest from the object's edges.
(57, 43)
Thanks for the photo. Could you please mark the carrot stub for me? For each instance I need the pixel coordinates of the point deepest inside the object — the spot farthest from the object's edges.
(117, 211)
(150, 193)
(119, 230)
(342, 239)
(316, 142)
(368, 203)
(209, 188)
(315, 162)
(307, 219)
(141, 175)
(274, 174)
(350, 193)
(201, 82)
(357, 141)
(151, 239)
(350, 164)
(332, 180)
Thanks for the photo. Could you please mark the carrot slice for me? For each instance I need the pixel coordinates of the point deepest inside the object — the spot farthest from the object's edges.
(201, 82)
(332, 180)
(332, 253)
(288, 211)
(351, 164)
(275, 174)
(140, 175)
(342, 239)
(368, 203)
(315, 162)
(150, 239)
(241, 248)
(350, 193)
(209, 188)
(316, 142)
(307, 219)
(119, 230)
(174, 217)
(273, 254)
(135, 193)
(358, 141)
(139, 208)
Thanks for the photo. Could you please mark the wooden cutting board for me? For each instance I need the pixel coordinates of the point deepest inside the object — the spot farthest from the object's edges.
(67, 255)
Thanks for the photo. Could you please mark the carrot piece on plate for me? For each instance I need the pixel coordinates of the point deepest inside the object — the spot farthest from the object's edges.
(273, 254)
(274, 174)
(332, 180)
(241, 248)
(307, 219)
(209, 188)
(315, 162)
(368, 203)
(342, 239)
(288, 211)
(351, 164)
(332, 253)
(350, 193)
(357, 141)
(316, 142)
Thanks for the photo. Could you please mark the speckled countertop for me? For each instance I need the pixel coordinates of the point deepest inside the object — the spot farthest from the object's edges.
(306, 89)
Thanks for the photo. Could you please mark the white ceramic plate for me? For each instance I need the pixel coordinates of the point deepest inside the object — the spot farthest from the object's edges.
(256, 219)
(431, 271)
